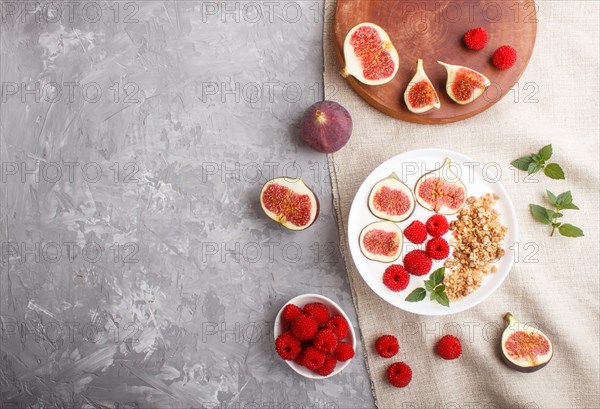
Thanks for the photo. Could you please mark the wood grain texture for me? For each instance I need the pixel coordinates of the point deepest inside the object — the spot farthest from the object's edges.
(433, 30)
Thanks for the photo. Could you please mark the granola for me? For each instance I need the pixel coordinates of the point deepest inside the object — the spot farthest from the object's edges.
(477, 243)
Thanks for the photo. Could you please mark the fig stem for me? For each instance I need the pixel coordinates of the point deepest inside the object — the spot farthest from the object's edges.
(320, 117)
(509, 317)
(344, 72)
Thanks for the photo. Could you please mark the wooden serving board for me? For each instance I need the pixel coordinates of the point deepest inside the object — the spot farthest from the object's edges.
(433, 30)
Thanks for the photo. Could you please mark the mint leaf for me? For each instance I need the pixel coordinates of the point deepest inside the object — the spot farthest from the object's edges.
(552, 214)
(540, 213)
(545, 153)
(533, 167)
(440, 289)
(522, 163)
(569, 206)
(568, 230)
(437, 276)
(551, 197)
(564, 198)
(554, 171)
(418, 294)
(441, 298)
(429, 285)
(537, 159)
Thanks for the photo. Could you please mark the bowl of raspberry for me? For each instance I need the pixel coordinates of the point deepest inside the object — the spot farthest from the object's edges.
(314, 336)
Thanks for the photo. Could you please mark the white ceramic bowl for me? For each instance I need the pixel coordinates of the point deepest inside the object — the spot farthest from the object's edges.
(479, 178)
(334, 309)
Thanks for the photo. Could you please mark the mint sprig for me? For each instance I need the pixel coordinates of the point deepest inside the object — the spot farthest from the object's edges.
(564, 201)
(537, 161)
(434, 286)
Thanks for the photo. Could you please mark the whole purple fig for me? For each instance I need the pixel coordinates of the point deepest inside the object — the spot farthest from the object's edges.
(326, 126)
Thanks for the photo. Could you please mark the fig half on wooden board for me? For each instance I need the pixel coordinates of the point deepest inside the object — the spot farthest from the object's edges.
(370, 55)
(524, 348)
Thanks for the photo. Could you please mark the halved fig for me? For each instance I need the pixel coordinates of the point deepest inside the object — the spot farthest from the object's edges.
(370, 55)
(290, 202)
(524, 348)
(441, 190)
(420, 96)
(464, 85)
(381, 241)
(392, 200)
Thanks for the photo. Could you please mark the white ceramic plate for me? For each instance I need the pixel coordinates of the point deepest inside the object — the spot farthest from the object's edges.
(334, 309)
(479, 178)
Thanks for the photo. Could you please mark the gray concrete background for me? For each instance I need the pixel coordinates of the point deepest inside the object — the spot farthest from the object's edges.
(137, 268)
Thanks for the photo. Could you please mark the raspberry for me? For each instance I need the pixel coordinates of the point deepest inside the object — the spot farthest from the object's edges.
(339, 326)
(387, 346)
(399, 374)
(313, 358)
(395, 277)
(417, 262)
(437, 225)
(344, 352)
(328, 366)
(476, 38)
(300, 358)
(325, 341)
(448, 347)
(318, 311)
(291, 312)
(438, 248)
(304, 327)
(504, 57)
(287, 346)
(416, 232)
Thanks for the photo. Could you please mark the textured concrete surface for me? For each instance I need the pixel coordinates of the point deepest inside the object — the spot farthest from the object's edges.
(137, 268)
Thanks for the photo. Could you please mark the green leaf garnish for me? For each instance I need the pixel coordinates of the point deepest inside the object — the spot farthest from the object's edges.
(551, 197)
(533, 167)
(554, 171)
(522, 163)
(434, 286)
(564, 201)
(418, 294)
(437, 276)
(429, 285)
(545, 153)
(568, 230)
(540, 213)
(537, 161)
(442, 298)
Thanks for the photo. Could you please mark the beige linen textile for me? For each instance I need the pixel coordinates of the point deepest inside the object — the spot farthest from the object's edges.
(555, 280)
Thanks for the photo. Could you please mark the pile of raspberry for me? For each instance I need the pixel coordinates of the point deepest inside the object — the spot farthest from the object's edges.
(399, 374)
(419, 262)
(313, 338)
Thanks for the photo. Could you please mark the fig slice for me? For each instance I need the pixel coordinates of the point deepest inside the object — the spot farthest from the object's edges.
(441, 190)
(381, 241)
(392, 200)
(524, 348)
(420, 96)
(464, 85)
(289, 202)
(369, 54)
